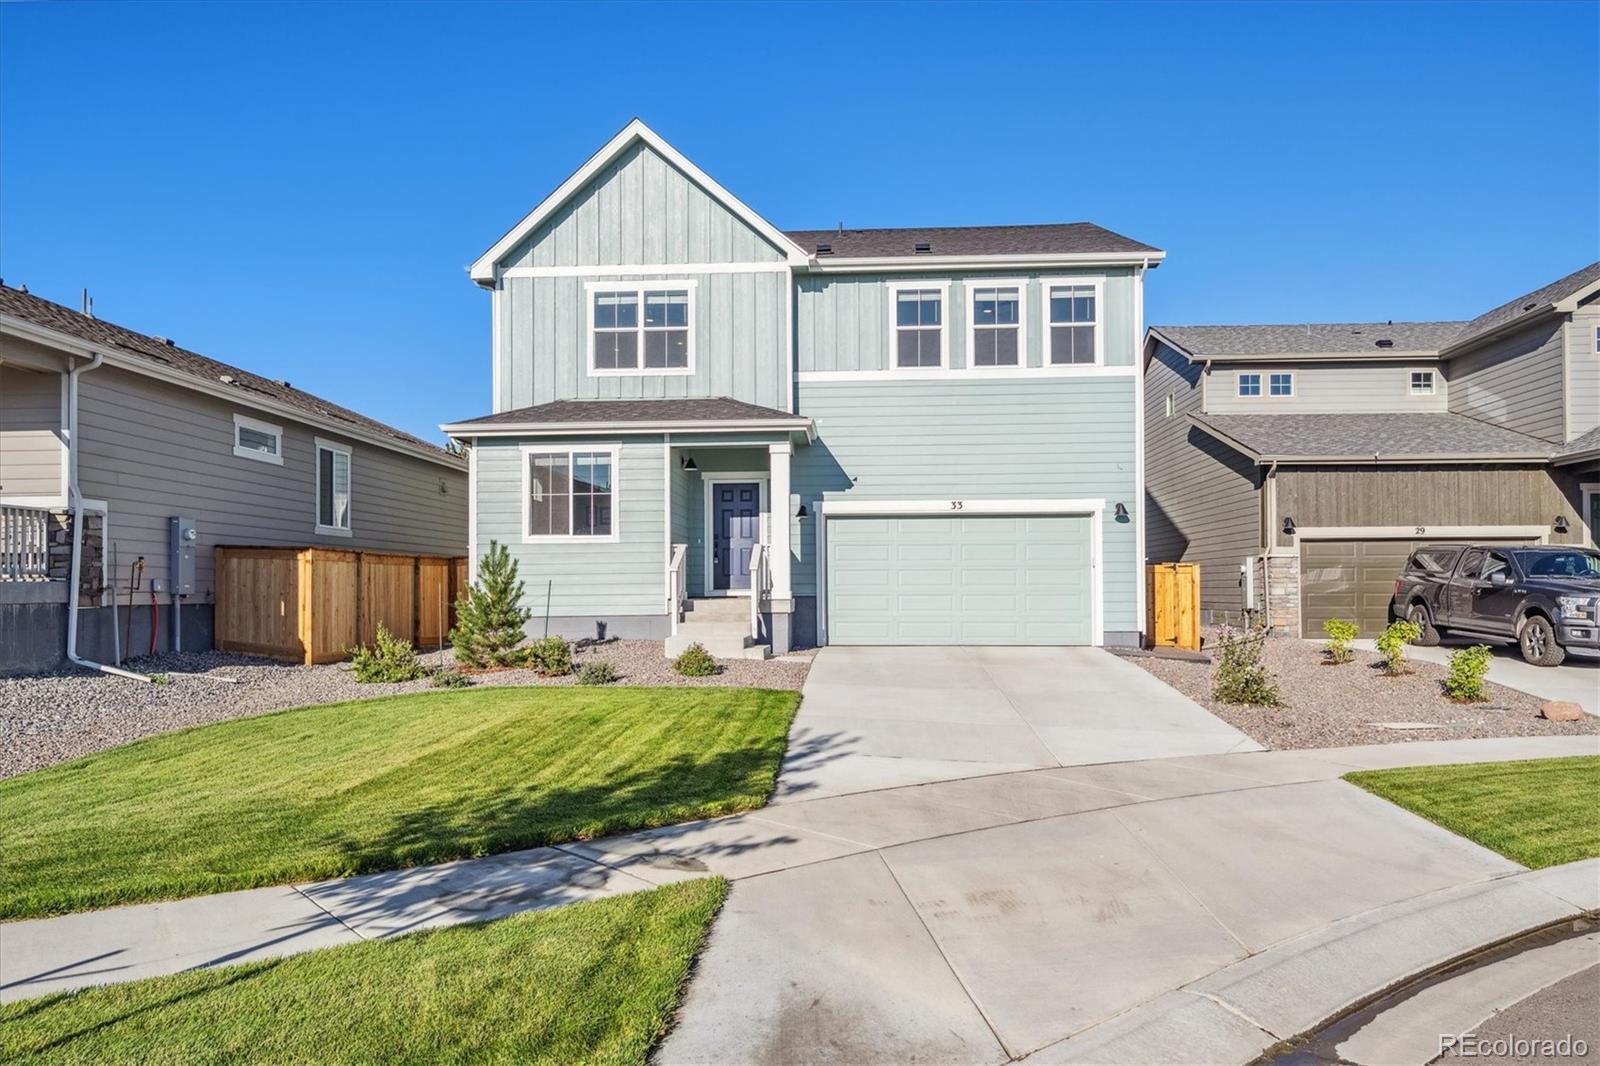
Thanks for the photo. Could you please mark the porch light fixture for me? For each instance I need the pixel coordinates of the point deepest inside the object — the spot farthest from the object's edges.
(1288, 527)
(1560, 524)
(802, 512)
(689, 463)
(1122, 512)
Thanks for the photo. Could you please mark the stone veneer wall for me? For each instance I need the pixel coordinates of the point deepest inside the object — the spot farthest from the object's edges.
(1283, 594)
(90, 573)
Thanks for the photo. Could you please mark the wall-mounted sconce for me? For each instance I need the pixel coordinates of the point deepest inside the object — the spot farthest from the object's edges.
(1560, 524)
(802, 512)
(1288, 527)
(689, 463)
(1122, 512)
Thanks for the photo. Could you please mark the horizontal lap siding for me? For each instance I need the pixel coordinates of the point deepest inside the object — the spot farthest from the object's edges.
(621, 578)
(1328, 388)
(1583, 371)
(978, 439)
(1515, 382)
(31, 444)
(153, 450)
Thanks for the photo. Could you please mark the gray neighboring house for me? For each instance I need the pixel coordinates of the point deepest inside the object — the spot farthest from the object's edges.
(1300, 464)
(154, 431)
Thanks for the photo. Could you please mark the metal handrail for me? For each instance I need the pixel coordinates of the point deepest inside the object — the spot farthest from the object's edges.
(24, 544)
(677, 584)
(758, 587)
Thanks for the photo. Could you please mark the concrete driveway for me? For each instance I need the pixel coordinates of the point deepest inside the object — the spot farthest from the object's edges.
(1576, 680)
(878, 718)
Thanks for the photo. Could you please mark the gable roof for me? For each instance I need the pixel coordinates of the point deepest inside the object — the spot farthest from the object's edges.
(635, 131)
(140, 352)
(1560, 295)
(1062, 238)
(1579, 449)
(1310, 339)
(709, 413)
(1394, 437)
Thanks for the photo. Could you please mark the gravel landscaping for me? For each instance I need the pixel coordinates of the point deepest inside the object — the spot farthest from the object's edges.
(1332, 706)
(51, 718)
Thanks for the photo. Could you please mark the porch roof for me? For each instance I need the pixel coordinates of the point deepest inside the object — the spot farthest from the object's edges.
(704, 415)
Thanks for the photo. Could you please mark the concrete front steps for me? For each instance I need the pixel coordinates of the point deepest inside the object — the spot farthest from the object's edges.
(721, 625)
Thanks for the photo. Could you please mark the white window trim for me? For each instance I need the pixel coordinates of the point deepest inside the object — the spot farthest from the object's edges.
(711, 479)
(1269, 394)
(1587, 490)
(895, 288)
(639, 288)
(1099, 284)
(316, 500)
(1433, 383)
(614, 451)
(972, 286)
(1238, 385)
(246, 422)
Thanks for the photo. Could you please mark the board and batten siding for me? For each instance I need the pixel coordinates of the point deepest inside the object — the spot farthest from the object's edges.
(605, 580)
(32, 448)
(985, 438)
(1354, 387)
(152, 450)
(1583, 370)
(843, 321)
(1515, 382)
(1202, 498)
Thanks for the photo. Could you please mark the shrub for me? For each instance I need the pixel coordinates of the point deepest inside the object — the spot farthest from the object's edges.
(551, 656)
(449, 677)
(1392, 644)
(1340, 634)
(695, 662)
(489, 615)
(596, 672)
(1241, 676)
(1467, 667)
(389, 660)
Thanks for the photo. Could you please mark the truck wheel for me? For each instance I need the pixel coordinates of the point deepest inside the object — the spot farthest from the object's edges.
(1538, 642)
(1418, 615)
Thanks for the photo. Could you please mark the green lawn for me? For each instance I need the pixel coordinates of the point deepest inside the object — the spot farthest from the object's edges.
(593, 983)
(1540, 812)
(380, 784)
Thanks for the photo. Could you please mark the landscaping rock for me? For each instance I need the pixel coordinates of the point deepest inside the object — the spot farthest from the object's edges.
(1560, 711)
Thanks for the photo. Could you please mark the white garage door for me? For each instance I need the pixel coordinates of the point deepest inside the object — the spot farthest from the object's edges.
(993, 579)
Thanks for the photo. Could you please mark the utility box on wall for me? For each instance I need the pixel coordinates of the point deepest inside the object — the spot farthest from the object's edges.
(181, 536)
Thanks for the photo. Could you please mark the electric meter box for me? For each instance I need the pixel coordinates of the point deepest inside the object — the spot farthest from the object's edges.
(181, 536)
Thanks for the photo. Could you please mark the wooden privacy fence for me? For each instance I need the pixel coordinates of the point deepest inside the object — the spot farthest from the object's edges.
(1174, 610)
(312, 605)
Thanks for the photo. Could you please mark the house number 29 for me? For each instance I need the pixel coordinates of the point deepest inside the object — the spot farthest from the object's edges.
(956, 505)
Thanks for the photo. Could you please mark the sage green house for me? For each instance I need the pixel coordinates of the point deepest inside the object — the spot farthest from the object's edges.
(706, 428)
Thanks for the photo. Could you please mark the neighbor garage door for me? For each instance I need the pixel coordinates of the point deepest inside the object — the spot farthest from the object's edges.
(944, 580)
(1354, 579)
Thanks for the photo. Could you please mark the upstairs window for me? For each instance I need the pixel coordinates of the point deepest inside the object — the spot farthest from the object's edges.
(997, 324)
(333, 489)
(1280, 385)
(1074, 323)
(569, 494)
(254, 439)
(1249, 384)
(918, 327)
(1422, 383)
(641, 330)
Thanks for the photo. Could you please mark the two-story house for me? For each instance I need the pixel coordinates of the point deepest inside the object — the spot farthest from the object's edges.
(705, 427)
(1300, 464)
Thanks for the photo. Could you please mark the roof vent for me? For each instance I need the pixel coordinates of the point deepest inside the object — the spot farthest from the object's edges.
(226, 379)
(1530, 307)
(824, 248)
(282, 382)
(168, 341)
(922, 248)
(1385, 342)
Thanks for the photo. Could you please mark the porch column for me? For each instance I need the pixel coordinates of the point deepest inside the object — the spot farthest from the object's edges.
(778, 524)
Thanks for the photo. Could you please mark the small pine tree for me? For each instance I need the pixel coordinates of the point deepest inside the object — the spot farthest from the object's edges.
(490, 615)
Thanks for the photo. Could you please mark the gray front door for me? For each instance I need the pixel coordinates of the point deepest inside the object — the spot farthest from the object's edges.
(735, 526)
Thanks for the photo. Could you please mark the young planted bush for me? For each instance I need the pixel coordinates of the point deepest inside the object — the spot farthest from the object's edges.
(490, 615)
(596, 672)
(1467, 668)
(1392, 645)
(1340, 634)
(1241, 676)
(390, 660)
(551, 656)
(695, 662)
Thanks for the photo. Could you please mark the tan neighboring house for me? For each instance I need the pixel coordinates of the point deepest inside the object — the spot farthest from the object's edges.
(154, 432)
(1300, 464)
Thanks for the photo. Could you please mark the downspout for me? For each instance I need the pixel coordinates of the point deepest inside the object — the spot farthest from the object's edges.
(1269, 487)
(75, 498)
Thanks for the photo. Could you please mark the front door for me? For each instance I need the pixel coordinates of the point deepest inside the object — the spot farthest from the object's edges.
(735, 526)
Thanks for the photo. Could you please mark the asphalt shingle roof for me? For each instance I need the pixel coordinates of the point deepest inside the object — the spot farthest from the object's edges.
(41, 312)
(1312, 338)
(1529, 303)
(1584, 445)
(601, 412)
(1392, 436)
(1065, 238)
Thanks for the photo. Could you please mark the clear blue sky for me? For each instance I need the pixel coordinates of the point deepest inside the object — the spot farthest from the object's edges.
(298, 188)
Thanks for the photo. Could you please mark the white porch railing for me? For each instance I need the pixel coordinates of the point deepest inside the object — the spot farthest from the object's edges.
(677, 584)
(758, 588)
(24, 544)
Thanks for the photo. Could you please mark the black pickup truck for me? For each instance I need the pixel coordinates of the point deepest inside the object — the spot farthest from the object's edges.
(1546, 598)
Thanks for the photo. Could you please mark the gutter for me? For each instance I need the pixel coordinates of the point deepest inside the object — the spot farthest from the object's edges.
(909, 264)
(525, 429)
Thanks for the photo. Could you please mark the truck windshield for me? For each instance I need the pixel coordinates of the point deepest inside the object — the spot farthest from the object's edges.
(1562, 564)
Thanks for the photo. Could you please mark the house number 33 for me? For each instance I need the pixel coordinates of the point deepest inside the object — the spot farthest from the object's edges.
(956, 505)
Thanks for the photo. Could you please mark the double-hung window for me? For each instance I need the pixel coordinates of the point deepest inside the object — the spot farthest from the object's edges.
(1249, 384)
(918, 327)
(1074, 313)
(1422, 383)
(996, 313)
(333, 489)
(1280, 385)
(645, 329)
(569, 493)
(254, 439)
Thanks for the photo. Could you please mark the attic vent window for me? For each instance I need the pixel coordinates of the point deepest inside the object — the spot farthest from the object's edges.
(1385, 342)
(824, 248)
(922, 248)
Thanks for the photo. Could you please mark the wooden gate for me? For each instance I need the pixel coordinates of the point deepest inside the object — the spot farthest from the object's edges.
(1174, 610)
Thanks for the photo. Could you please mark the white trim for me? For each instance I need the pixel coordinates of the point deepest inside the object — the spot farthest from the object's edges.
(972, 285)
(1433, 382)
(612, 450)
(1586, 490)
(276, 432)
(611, 429)
(1063, 370)
(1093, 508)
(1413, 532)
(472, 512)
(1098, 282)
(1280, 395)
(640, 331)
(43, 502)
(628, 270)
(829, 264)
(895, 288)
(1139, 557)
(1238, 385)
(763, 507)
(495, 296)
(790, 367)
(66, 445)
(666, 525)
(483, 270)
(321, 445)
